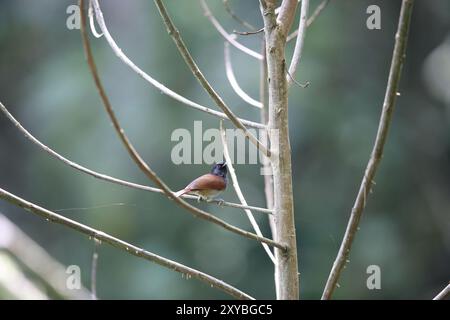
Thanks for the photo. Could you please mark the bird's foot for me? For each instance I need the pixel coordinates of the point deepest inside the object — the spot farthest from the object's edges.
(220, 202)
(200, 199)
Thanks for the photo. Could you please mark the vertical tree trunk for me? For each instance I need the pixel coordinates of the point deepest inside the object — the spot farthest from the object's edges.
(286, 273)
(268, 179)
(266, 166)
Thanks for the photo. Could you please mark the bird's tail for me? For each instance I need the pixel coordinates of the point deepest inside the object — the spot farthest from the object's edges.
(181, 192)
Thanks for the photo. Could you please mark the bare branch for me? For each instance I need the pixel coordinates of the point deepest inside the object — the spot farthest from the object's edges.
(311, 19)
(238, 191)
(225, 34)
(175, 34)
(286, 270)
(120, 244)
(235, 17)
(299, 43)
(266, 167)
(163, 89)
(301, 85)
(110, 179)
(145, 168)
(286, 15)
(233, 82)
(91, 22)
(398, 59)
(443, 294)
(247, 33)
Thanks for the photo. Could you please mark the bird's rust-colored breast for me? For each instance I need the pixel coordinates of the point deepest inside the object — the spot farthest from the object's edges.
(207, 181)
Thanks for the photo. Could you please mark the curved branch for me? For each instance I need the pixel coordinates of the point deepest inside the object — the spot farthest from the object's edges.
(175, 34)
(233, 82)
(91, 21)
(120, 244)
(110, 179)
(145, 168)
(225, 34)
(238, 191)
(398, 59)
(119, 53)
(299, 43)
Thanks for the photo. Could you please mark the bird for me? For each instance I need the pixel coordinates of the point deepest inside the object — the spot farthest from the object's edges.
(209, 185)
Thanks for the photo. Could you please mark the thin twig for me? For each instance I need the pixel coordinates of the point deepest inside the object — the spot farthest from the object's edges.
(94, 269)
(398, 59)
(311, 19)
(299, 43)
(247, 33)
(175, 34)
(233, 82)
(120, 244)
(145, 168)
(306, 85)
(443, 294)
(163, 89)
(225, 34)
(110, 179)
(235, 16)
(239, 193)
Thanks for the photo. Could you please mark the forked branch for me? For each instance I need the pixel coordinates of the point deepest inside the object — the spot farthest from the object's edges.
(163, 89)
(176, 37)
(145, 168)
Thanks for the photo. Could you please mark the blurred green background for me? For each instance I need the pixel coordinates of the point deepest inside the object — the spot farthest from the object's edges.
(45, 83)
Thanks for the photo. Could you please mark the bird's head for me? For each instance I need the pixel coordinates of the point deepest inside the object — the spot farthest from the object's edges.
(220, 169)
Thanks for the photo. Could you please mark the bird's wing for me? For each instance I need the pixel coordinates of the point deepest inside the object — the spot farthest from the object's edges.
(207, 181)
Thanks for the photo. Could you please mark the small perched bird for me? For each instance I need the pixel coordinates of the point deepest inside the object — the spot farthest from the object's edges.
(208, 185)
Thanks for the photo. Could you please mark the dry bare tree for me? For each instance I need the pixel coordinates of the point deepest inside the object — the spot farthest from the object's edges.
(277, 78)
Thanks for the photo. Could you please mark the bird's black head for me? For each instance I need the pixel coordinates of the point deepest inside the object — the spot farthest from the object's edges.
(220, 169)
